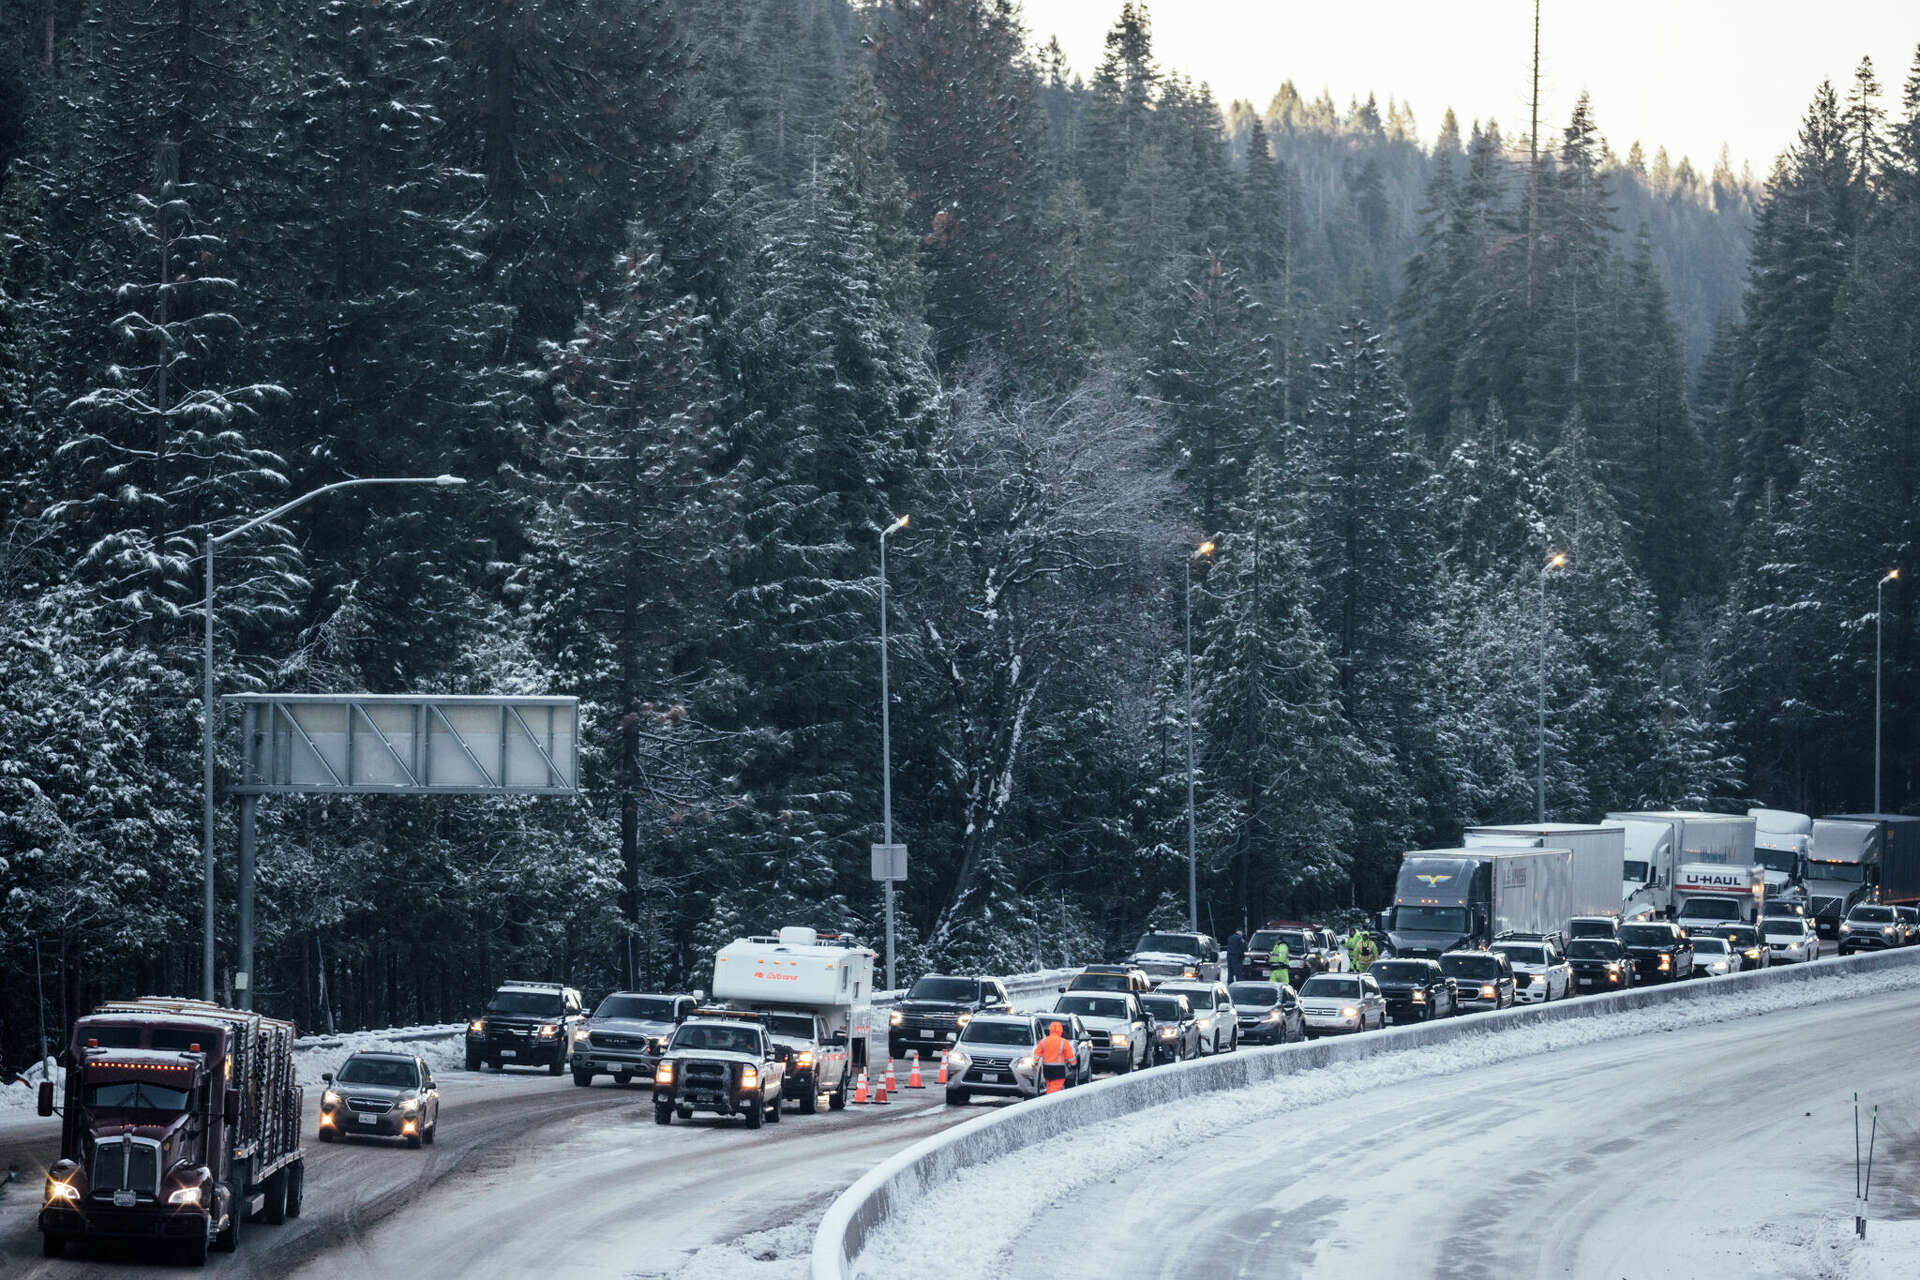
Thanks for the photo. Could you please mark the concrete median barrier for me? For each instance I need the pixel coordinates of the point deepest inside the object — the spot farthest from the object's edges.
(909, 1176)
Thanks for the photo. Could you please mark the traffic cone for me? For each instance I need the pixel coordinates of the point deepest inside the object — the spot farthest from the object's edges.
(889, 1086)
(860, 1093)
(941, 1079)
(913, 1071)
(880, 1094)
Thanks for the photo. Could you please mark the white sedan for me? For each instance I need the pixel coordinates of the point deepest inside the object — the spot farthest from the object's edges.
(1540, 971)
(1791, 939)
(1714, 957)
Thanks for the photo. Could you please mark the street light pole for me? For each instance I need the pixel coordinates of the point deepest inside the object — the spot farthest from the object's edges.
(206, 743)
(886, 748)
(1557, 560)
(1879, 609)
(1193, 872)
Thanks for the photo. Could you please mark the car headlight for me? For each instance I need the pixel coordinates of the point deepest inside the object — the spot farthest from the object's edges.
(476, 1027)
(749, 1077)
(1273, 1015)
(1487, 991)
(957, 1061)
(663, 1074)
(895, 1018)
(1116, 1039)
(1718, 966)
(548, 1030)
(1349, 1012)
(1666, 962)
(803, 1059)
(1753, 953)
(963, 1020)
(1887, 929)
(329, 1099)
(1168, 1033)
(185, 1195)
(1419, 997)
(1845, 927)
(580, 1035)
(1613, 968)
(58, 1190)
(410, 1105)
(1026, 1063)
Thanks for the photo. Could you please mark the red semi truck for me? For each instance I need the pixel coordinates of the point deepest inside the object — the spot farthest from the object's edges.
(180, 1120)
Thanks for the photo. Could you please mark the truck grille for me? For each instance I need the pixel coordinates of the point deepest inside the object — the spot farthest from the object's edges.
(126, 1166)
(608, 1040)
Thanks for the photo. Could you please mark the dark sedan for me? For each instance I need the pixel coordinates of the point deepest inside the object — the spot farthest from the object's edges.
(1747, 944)
(1416, 990)
(1268, 1012)
(1600, 964)
(1176, 1032)
(1660, 951)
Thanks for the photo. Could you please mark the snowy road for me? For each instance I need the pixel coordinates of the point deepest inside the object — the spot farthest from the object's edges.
(530, 1176)
(1724, 1149)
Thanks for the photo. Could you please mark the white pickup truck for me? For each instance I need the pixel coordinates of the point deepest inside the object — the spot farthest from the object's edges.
(815, 992)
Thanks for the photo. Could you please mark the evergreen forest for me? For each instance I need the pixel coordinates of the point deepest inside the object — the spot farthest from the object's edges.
(698, 296)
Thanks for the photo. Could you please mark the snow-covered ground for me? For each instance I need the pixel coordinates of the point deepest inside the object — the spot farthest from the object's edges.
(1541, 1151)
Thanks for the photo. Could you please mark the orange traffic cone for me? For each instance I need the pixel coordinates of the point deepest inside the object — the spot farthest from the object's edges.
(889, 1085)
(880, 1094)
(942, 1077)
(860, 1093)
(913, 1071)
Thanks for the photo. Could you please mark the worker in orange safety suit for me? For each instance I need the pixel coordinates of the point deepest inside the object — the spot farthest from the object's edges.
(1056, 1055)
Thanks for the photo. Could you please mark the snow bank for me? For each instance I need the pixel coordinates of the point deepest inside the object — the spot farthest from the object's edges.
(442, 1047)
(1887, 1253)
(881, 1224)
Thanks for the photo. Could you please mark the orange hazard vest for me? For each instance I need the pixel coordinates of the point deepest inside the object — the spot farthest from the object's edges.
(1055, 1050)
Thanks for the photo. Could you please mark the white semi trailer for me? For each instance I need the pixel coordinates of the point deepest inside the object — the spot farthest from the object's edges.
(1599, 854)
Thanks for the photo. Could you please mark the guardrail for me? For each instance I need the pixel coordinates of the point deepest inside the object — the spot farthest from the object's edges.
(906, 1178)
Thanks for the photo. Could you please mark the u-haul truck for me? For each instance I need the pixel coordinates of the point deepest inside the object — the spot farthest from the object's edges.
(815, 994)
(1714, 893)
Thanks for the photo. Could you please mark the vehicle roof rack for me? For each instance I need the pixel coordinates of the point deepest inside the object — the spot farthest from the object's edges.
(534, 986)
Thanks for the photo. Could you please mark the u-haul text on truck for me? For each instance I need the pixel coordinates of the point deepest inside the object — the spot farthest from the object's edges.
(815, 994)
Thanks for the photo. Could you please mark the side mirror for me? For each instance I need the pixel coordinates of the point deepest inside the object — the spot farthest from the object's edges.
(326, 1077)
(230, 1106)
(46, 1097)
(838, 1039)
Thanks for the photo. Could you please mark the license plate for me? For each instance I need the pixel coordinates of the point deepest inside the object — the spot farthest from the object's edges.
(123, 1200)
(364, 1118)
(509, 1053)
(926, 1035)
(991, 1077)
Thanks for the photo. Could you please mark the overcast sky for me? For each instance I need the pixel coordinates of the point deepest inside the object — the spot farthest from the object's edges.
(1689, 74)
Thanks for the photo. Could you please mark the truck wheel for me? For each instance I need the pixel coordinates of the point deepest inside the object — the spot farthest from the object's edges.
(663, 1113)
(757, 1113)
(326, 1135)
(473, 1060)
(837, 1100)
(229, 1240)
(1126, 1065)
(558, 1064)
(958, 1097)
(810, 1101)
(774, 1115)
(432, 1131)
(413, 1141)
(274, 1211)
(296, 1187)
(52, 1246)
(584, 1078)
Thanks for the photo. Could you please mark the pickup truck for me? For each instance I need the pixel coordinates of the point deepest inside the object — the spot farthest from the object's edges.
(721, 1061)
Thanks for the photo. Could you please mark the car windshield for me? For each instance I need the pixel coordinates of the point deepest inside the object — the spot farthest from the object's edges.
(1593, 949)
(541, 1004)
(1430, 919)
(1712, 909)
(1328, 986)
(1784, 927)
(1592, 928)
(640, 1008)
(799, 1025)
(717, 1039)
(385, 1073)
(1254, 993)
(136, 1095)
(1740, 935)
(1519, 954)
(1633, 871)
(1401, 971)
(1198, 997)
(1845, 872)
(1872, 915)
(1091, 1006)
(1100, 982)
(1646, 935)
(1474, 968)
(1180, 944)
(1263, 940)
(1776, 859)
(1711, 946)
(979, 1032)
(1167, 1008)
(954, 989)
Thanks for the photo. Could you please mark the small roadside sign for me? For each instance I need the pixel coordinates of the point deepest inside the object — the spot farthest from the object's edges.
(889, 861)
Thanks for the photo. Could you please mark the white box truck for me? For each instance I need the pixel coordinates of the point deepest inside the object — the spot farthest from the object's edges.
(1722, 839)
(1599, 853)
(1706, 894)
(815, 994)
(1449, 899)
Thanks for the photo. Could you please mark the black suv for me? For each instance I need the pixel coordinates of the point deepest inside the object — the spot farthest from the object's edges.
(1599, 964)
(1660, 950)
(1483, 979)
(937, 1008)
(1416, 990)
(1306, 956)
(526, 1024)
